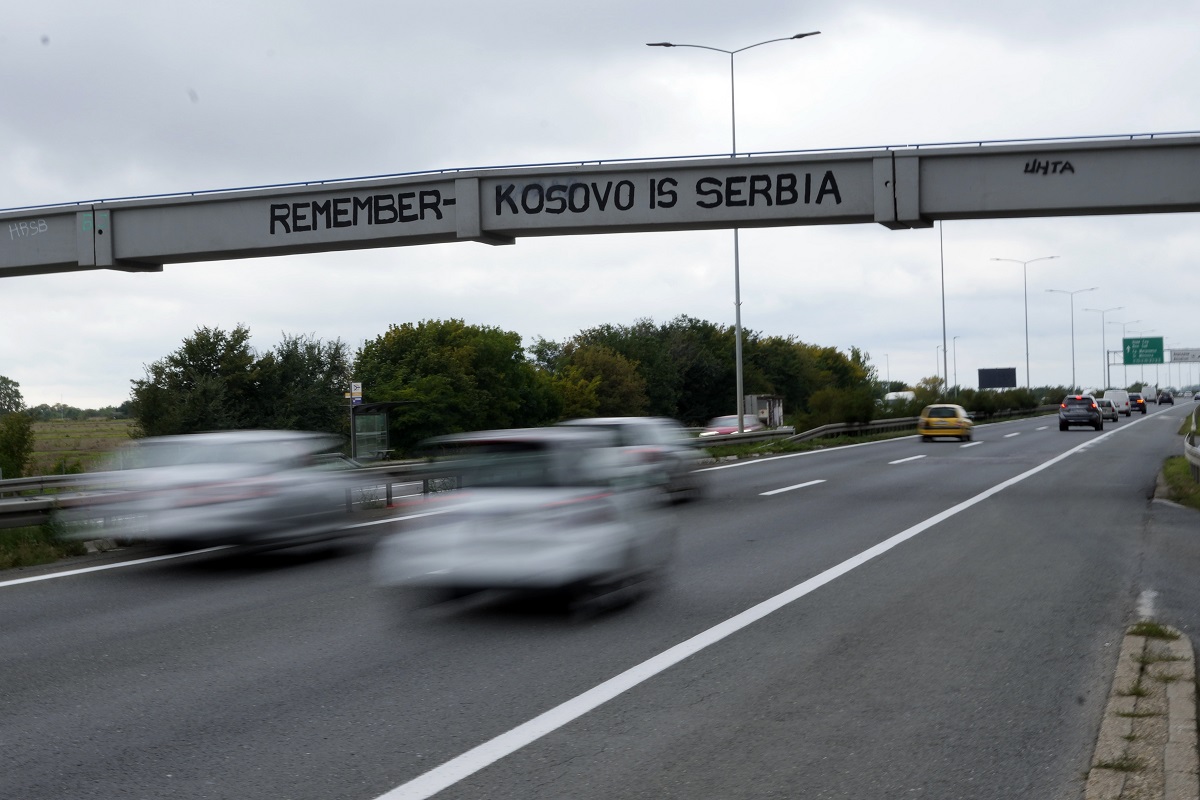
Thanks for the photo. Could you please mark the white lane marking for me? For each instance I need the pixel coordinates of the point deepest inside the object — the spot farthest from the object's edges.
(1145, 604)
(745, 462)
(789, 488)
(1043, 428)
(902, 460)
(100, 567)
(1010, 435)
(118, 565)
(971, 444)
(477, 758)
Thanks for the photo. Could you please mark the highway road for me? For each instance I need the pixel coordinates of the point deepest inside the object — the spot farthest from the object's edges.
(897, 619)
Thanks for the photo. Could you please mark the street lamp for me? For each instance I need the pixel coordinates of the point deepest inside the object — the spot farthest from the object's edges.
(937, 365)
(1124, 366)
(954, 349)
(1025, 272)
(1104, 341)
(737, 278)
(1072, 294)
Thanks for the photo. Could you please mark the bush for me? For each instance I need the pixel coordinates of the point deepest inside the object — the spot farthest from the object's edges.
(26, 547)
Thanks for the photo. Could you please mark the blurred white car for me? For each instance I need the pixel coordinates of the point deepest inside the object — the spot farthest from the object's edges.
(559, 509)
(263, 488)
(661, 446)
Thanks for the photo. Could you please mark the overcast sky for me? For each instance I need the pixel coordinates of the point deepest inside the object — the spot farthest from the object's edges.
(105, 100)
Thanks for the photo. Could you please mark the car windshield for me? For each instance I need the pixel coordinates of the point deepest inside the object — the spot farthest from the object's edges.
(942, 412)
(526, 464)
(1079, 401)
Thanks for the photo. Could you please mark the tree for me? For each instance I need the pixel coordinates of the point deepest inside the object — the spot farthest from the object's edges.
(207, 384)
(216, 381)
(16, 444)
(301, 385)
(453, 377)
(11, 400)
(614, 381)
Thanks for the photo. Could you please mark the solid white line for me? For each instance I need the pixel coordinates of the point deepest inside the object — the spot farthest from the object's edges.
(1145, 604)
(135, 562)
(902, 460)
(117, 565)
(789, 488)
(472, 761)
(1010, 435)
(971, 444)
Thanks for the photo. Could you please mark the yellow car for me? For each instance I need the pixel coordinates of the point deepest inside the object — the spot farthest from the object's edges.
(944, 419)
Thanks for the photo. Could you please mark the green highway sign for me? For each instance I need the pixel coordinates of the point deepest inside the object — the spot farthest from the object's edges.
(1144, 350)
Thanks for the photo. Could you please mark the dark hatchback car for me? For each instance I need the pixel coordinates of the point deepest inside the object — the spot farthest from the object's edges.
(1166, 398)
(1079, 409)
(1136, 403)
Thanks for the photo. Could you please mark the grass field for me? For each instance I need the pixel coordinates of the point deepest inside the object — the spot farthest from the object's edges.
(75, 445)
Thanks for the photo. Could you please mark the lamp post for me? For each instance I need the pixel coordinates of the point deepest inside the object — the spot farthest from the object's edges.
(937, 365)
(1103, 340)
(1025, 272)
(1124, 366)
(737, 279)
(888, 362)
(954, 349)
(1072, 294)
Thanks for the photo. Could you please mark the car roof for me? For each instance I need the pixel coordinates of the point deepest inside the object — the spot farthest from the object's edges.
(531, 435)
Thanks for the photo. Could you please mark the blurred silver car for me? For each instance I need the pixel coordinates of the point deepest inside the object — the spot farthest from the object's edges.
(660, 446)
(262, 488)
(560, 509)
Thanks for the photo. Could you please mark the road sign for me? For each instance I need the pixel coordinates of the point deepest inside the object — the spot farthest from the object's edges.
(1191, 354)
(1144, 350)
(356, 394)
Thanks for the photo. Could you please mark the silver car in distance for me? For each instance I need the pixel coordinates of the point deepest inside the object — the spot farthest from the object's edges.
(563, 511)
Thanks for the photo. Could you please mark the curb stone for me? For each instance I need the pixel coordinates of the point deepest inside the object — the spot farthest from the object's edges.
(1147, 747)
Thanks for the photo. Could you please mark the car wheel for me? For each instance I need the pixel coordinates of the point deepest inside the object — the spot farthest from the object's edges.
(1062, 426)
(926, 438)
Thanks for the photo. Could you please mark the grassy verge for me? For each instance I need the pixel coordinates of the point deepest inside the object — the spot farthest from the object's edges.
(26, 547)
(1180, 486)
(75, 445)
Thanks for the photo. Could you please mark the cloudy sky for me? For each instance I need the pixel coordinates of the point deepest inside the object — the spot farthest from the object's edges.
(106, 100)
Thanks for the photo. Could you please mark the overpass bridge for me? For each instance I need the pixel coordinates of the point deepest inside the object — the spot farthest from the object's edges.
(897, 187)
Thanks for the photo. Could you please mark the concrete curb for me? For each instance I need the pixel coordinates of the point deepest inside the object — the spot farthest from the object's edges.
(1147, 747)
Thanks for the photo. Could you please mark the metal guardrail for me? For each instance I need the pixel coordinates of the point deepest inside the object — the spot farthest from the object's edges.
(1190, 451)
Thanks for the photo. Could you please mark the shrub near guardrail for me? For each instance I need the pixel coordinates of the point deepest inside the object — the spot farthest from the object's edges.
(27, 547)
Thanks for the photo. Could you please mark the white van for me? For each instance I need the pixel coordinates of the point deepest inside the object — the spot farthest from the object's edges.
(1120, 399)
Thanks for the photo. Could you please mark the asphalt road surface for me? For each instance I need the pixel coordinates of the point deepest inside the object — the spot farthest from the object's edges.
(891, 620)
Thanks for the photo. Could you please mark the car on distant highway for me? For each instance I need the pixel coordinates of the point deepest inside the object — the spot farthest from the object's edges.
(1120, 399)
(1165, 398)
(1108, 409)
(719, 426)
(554, 511)
(944, 419)
(1079, 409)
(1137, 403)
(661, 446)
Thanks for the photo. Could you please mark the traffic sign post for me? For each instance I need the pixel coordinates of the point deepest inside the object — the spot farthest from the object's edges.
(1143, 350)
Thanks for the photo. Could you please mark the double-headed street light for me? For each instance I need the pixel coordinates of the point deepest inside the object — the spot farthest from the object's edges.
(1072, 294)
(1025, 271)
(1104, 340)
(737, 279)
(1124, 366)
